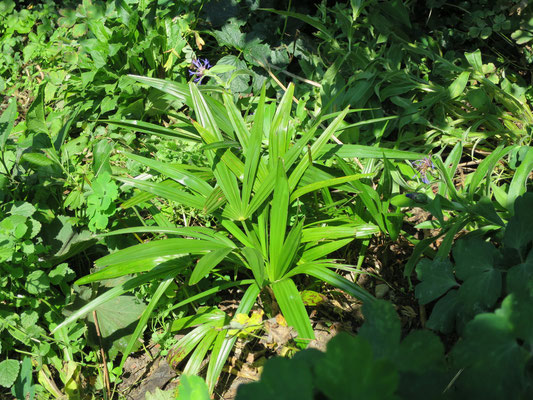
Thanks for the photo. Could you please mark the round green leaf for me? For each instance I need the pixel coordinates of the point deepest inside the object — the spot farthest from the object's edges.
(9, 370)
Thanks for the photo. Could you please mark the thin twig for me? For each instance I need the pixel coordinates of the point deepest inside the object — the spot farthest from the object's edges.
(267, 68)
(102, 354)
(308, 81)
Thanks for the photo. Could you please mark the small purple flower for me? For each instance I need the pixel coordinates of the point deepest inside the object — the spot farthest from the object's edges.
(423, 166)
(198, 69)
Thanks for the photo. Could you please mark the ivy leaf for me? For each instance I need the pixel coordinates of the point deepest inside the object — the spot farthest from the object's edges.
(442, 317)
(282, 379)
(489, 352)
(37, 282)
(420, 351)
(377, 380)
(481, 291)
(518, 232)
(520, 277)
(230, 35)
(473, 258)
(519, 310)
(382, 328)
(437, 278)
(9, 370)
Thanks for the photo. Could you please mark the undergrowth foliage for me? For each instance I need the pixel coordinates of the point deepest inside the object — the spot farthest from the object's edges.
(160, 159)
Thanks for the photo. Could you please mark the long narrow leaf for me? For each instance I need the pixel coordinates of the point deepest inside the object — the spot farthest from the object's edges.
(289, 250)
(153, 129)
(141, 325)
(176, 172)
(222, 348)
(158, 249)
(316, 149)
(207, 263)
(167, 192)
(278, 221)
(131, 284)
(293, 309)
(133, 267)
(326, 183)
(360, 151)
(323, 272)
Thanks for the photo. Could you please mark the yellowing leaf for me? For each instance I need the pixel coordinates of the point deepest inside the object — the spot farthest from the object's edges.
(244, 325)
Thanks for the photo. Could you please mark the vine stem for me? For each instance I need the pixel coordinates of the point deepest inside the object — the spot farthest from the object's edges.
(102, 354)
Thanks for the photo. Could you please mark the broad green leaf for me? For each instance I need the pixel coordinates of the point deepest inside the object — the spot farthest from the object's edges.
(9, 370)
(37, 159)
(131, 284)
(474, 59)
(489, 352)
(207, 263)
(35, 118)
(519, 278)
(480, 292)
(292, 307)
(282, 379)
(143, 321)
(473, 257)
(436, 279)
(116, 318)
(420, 351)
(377, 381)
(519, 308)
(518, 232)
(444, 313)
(457, 87)
(192, 387)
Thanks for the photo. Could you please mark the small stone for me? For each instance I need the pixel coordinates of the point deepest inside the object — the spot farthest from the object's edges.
(381, 290)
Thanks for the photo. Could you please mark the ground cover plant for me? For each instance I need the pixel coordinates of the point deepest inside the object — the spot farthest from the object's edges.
(233, 181)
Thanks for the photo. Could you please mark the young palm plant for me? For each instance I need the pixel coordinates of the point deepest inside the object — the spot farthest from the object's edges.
(253, 193)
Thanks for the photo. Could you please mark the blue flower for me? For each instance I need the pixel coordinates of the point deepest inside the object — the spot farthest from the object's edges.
(198, 69)
(423, 166)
